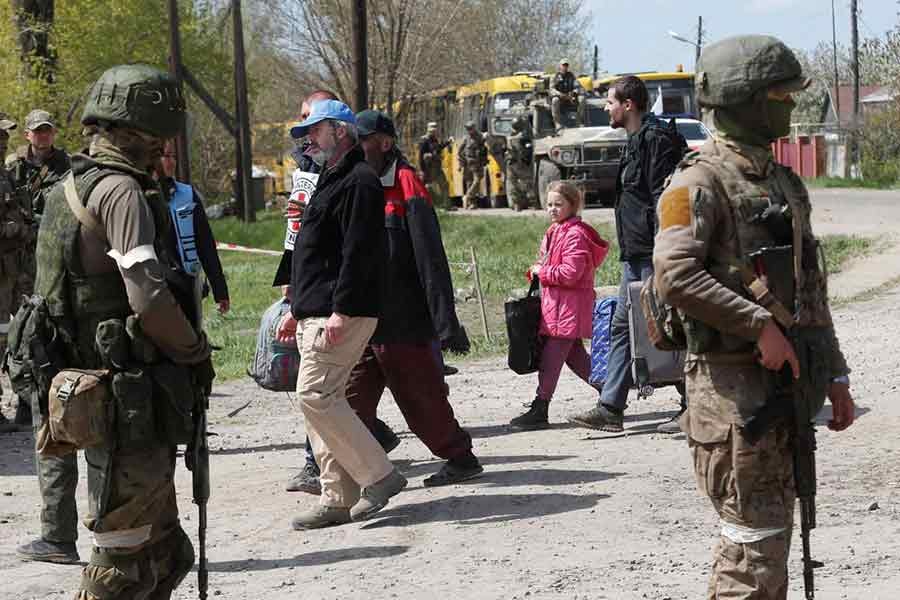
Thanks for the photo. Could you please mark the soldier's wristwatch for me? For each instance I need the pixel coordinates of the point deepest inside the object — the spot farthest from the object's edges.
(841, 379)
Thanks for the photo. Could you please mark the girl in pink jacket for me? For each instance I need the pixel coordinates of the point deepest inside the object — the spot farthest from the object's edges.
(570, 254)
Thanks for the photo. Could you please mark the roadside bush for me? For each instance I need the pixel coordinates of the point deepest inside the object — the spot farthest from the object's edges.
(880, 146)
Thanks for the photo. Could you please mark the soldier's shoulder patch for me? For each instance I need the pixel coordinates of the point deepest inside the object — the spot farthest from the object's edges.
(675, 207)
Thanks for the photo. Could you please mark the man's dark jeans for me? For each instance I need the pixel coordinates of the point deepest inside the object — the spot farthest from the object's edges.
(619, 379)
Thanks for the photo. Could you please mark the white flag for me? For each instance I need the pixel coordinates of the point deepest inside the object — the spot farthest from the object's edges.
(657, 104)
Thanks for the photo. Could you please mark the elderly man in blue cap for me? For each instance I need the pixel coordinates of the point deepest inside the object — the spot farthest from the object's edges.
(336, 275)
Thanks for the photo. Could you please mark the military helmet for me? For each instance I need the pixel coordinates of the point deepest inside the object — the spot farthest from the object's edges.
(470, 125)
(732, 70)
(519, 123)
(136, 96)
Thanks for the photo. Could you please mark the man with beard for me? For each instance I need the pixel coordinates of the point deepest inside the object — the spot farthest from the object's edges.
(649, 158)
(337, 282)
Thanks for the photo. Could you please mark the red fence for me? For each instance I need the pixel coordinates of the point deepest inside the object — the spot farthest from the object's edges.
(806, 155)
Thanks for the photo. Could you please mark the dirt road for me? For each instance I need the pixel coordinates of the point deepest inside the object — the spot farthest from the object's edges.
(564, 513)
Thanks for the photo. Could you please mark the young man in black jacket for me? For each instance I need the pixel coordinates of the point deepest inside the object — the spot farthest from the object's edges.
(653, 151)
(337, 280)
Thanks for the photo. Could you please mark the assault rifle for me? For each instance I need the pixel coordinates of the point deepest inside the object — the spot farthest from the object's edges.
(197, 461)
(793, 400)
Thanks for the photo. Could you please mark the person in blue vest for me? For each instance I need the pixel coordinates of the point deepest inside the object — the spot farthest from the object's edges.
(193, 237)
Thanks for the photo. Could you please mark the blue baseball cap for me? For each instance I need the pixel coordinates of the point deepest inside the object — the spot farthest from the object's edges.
(322, 110)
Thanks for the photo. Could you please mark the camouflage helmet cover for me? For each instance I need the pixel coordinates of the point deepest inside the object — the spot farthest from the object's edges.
(732, 70)
(137, 96)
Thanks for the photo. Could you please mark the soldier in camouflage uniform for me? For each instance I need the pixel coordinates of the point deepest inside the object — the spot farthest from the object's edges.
(726, 201)
(473, 158)
(431, 164)
(519, 155)
(14, 237)
(103, 260)
(34, 168)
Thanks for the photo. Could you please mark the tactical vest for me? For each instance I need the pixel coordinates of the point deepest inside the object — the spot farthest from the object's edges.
(748, 200)
(181, 208)
(77, 302)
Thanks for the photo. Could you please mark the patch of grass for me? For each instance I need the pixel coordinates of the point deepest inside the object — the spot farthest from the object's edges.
(846, 182)
(841, 249)
(505, 248)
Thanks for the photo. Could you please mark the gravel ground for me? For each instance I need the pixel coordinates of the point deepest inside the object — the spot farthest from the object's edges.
(562, 513)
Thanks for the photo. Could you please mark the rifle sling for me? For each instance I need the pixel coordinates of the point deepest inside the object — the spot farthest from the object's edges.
(81, 213)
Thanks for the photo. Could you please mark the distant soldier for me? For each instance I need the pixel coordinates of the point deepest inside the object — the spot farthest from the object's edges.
(519, 155)
(563, 92)
(473, 158)
(431, 164)
(14, 238)
(34, 167)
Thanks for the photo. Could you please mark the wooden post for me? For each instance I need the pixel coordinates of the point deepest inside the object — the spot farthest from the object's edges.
(358, 26)
(244, 145)
(484, 323)
(183, 171)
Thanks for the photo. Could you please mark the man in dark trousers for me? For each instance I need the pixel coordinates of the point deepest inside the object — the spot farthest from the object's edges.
(418, 311)
(653, 151)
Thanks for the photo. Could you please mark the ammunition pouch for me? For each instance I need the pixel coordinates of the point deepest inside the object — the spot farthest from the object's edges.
(80, 408)
(135, 426)
(774, 281)
(174, 399)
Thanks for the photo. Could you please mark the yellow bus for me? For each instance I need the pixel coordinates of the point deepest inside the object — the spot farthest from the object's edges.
(492, 104)
(676, 87)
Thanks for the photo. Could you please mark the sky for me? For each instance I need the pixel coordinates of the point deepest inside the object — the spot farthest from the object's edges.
(632, 35)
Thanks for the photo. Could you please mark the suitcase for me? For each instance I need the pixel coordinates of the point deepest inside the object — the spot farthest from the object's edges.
(650, 368)
(604, 308)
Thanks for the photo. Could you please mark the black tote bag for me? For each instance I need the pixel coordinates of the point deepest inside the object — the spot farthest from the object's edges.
(523, 319)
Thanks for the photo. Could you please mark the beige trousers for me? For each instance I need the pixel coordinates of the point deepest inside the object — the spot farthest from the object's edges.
(348, 455)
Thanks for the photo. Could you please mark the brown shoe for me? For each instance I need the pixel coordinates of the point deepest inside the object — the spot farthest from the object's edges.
(321, 516)
(376, 496)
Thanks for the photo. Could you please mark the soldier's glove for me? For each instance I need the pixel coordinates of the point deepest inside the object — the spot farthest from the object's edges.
(458, 343)
(204, 374)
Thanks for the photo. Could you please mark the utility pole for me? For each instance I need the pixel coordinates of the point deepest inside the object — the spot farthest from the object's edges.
(596, 61)
(244, 154)
(183, 170)
(854, 65)
(360, 55)
(699, 41)
(837, 78)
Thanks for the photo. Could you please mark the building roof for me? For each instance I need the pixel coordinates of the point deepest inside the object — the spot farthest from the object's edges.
(844, 97)
(881, 94)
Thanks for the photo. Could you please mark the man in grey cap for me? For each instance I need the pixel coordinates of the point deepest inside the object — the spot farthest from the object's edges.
(13, 239)
(34, 168)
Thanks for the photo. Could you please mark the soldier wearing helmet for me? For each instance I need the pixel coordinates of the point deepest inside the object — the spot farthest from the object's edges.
(519, 155)
(102, 270)
(473, 158)
(736, 256)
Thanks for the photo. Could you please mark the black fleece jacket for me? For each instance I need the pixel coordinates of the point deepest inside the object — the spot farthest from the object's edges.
(340, 251)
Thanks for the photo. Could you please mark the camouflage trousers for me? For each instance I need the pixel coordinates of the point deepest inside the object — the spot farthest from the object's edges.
(752, 489)
(473, 175)
(152, 573)
(439, 189)
(519, 186)
(57, 480)
(15, 281)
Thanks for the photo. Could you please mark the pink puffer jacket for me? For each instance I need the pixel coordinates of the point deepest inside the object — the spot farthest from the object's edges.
(573, 250)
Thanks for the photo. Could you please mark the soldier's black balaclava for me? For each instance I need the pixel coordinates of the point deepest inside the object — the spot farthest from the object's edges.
(758, 122)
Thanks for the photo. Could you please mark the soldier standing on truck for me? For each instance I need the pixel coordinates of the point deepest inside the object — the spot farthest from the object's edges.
(519, 158)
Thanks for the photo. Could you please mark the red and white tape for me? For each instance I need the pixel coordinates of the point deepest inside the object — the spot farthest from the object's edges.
(237, 248)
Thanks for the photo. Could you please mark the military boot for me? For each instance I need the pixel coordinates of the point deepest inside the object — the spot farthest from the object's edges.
(600, 417)
(42, 550)
(534, 418)
(321, 516)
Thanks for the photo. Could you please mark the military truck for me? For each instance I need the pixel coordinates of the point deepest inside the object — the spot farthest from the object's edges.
(585, 150)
